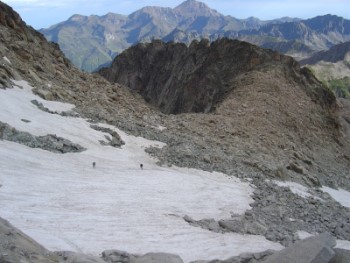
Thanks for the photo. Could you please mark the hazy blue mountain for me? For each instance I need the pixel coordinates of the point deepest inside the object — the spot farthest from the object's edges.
(90, 41)
(335, 54)
(318, 33)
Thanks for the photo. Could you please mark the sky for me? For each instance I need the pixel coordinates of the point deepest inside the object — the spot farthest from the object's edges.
(44, 13)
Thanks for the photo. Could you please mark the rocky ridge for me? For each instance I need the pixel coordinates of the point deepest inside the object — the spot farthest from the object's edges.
(270, 126)
(177, 79)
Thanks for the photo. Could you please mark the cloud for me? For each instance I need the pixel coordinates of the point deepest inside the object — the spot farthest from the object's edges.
(41, 3)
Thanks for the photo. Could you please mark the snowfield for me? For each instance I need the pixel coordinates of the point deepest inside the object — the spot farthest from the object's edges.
(64, 203)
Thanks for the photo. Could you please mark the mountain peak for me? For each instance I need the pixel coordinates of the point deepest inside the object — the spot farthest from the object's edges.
(193, 7)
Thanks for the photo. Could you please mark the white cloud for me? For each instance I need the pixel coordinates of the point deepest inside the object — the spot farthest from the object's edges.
(41, 3)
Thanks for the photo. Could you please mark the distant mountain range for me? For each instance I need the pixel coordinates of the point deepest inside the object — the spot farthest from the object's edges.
(92, 41)
(335, 54)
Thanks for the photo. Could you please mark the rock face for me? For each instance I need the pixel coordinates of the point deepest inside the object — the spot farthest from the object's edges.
(177, 79)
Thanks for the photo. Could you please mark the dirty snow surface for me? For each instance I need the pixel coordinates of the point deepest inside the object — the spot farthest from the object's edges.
(64, 203)
(296, 188)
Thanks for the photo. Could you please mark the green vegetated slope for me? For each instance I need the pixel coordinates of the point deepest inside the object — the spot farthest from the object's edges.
(341, 87)
(333, 68)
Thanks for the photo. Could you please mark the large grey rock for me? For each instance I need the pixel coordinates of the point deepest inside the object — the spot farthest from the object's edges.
(117, 256)
(242, 258)
(233, 225)
(72, 257)
(157, 258)
(341, 256)
(317, 249)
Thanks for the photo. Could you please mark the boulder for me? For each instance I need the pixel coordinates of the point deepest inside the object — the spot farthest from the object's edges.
(157, 258)
(45, 94)
(72, 257)
(232, 225)
(317, 249)
(296, 168)
(119, 256)
(341, 256)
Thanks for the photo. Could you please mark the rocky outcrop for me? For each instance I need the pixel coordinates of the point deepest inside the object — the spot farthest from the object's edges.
(117, 256)
(313, 249)
(114, 140)
(10, 19)
(179, 79)
(48, 142)
(73, 257)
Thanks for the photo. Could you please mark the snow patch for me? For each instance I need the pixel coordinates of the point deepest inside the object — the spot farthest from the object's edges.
(161, 128)
(304, 234)
(341, 196)
(64, 203)
(7, 60)
(343, 244)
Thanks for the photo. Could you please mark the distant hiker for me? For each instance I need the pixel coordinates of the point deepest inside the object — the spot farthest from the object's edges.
(93, 165)
(141, 166)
